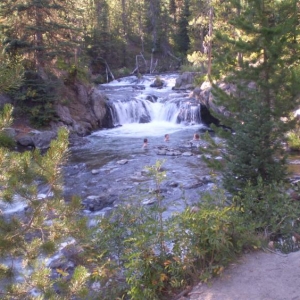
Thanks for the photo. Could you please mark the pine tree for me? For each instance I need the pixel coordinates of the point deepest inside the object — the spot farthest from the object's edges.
(43, 34)
(41, 30)
(29, 237)
(11, 73)
(182, 38)
(261, 61)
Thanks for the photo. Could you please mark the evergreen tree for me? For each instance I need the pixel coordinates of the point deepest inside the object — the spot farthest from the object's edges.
(153, 10)
(41, 30)
(172, 9)
(43, 33)
(98, 38)
(182, 38)
(261, 62)
(29, 236)
(11, 73)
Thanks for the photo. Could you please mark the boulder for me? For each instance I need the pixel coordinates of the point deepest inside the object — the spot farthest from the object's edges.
(42, 140)
(185, 81)
(84, 110)
(37, 139)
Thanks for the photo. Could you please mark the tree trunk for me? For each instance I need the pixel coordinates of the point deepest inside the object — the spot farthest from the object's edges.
(39, 44)
(210, 29)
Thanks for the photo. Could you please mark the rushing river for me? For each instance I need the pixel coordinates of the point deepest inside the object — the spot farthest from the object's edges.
(111, 165)
(112, 161)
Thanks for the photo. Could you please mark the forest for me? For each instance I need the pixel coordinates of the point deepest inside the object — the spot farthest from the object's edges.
(47, 46)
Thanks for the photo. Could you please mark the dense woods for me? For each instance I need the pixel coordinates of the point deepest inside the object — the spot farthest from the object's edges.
(49, 45)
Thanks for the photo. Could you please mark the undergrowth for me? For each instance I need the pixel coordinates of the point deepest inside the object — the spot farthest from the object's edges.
(139, 254)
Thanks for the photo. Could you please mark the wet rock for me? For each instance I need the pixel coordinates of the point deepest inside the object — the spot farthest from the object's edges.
(158, 83)
(58, 263)
(145, 119)
(94, 172)
(25, 140)
(173, 184)
(185, 81)
(161, 152)
(145, 172)
(170, 153)
(98, 202)
(193, 185)
(188, 153)
(149, 201)
(122, 162)
(152, 98)
(138, 177)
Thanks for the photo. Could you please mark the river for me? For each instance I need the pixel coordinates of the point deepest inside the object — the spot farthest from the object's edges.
(111, 164)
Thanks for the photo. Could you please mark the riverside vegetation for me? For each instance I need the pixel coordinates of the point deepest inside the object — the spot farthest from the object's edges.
(135, 253)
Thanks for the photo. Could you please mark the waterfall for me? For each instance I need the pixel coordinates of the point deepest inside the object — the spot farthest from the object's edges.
(145, 111)
(136, 102)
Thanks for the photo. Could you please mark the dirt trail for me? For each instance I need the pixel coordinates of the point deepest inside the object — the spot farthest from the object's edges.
(255, 276)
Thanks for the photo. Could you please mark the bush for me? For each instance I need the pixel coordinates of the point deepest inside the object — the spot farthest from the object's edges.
(293, 140)
(6, 141)
(148, 257)
(269, 209)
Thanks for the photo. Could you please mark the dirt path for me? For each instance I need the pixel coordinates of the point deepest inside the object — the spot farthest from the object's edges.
(255, 276)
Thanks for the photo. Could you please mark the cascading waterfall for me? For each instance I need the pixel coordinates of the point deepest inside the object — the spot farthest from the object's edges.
(146, 105)
(145, 111)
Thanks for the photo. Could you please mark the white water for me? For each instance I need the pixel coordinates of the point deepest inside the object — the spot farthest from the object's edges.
(129, 101)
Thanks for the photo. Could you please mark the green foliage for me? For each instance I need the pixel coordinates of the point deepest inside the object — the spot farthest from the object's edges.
(30, 236)
(99, 79)
(122, 72)
(257, 64)
(182, 39)
(158, 257)
(293, 136)
(293, 140)
(75, 73)
(254, 150)
(198, 80)
(36, 98)
(11, 73)
(190, 68)
(269, 209)
(6, 116)
(42, 30)
(6, 141)
(198, 61)
(204, 241)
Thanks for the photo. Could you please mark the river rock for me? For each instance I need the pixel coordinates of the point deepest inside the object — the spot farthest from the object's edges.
(138, 176)
(94, 172)
(185, 81)
(84, 110)
(98, 202)
(42, 140)
(25, 140)
(122, 162)
(149, 201)
(151, 98)
(173, 184)
(158, 83)
(161, 152)
(188, 153)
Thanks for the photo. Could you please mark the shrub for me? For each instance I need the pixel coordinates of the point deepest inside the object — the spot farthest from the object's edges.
(269, 209)
(148, 257)
(6, 141)
(293, 140)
